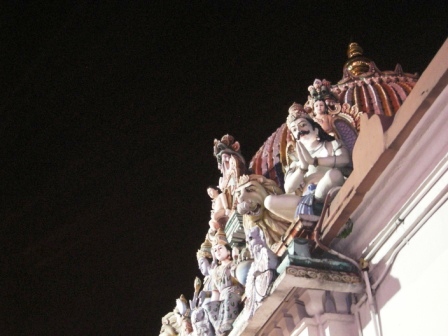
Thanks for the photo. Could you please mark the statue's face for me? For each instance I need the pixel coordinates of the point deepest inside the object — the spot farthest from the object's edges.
(186, 327)
(225, 163)
(319, 107)
(250, 199)
(253, 237)
(302, 130)
(221, 253)
(204, 266)
(213, 193)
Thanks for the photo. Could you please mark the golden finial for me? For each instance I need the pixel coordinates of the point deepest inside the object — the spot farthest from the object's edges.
(356, 64)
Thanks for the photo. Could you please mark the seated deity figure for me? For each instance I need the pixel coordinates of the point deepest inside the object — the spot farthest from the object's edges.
(319, 101)
(220, 208)
(224, 305)
(316, 162)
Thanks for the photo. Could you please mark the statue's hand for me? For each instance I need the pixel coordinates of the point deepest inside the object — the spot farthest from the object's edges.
(181, 306)
(304, 155)
(201, 297)
(302, 158)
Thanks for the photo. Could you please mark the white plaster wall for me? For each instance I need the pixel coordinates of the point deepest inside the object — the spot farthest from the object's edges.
(413, 298)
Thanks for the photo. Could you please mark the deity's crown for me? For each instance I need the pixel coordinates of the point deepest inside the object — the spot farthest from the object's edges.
(221, 237)
(296, 111)
(205, 250)
(243, 180)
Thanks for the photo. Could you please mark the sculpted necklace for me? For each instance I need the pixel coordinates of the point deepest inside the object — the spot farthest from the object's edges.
(312, 151)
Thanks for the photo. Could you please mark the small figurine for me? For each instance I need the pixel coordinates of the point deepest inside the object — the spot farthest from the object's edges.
(220, 208)
(224, 306)
(199, 316)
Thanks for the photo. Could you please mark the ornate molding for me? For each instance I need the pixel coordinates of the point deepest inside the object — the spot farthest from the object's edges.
(336, 276)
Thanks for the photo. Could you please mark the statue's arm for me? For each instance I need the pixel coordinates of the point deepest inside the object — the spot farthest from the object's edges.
(340, 158)
(215, 295)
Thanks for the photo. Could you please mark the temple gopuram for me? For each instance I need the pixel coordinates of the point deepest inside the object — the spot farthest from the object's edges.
(337, 224)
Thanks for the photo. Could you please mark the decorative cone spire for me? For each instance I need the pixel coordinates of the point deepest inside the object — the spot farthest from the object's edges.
(356, 64)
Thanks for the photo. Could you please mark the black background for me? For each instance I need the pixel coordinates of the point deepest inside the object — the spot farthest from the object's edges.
(108, 114)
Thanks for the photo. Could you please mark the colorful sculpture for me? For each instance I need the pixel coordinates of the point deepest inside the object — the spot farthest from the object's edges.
(341, 121)
(224, 306)
(251, 194)
(261, 273)
(316, 160)
(171, 323)
(199, 316)
(230, 162)
(220, 208)
(307, 166)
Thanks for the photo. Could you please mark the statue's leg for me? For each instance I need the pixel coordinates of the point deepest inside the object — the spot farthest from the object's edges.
(332, 178)
(283, 206)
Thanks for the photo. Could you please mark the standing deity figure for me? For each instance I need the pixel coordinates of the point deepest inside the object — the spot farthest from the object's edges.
(262, 270)
(220, 208)
(199, 316)
(316, 165)
(224, 305)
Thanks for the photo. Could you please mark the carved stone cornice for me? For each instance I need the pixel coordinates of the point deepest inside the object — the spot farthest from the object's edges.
(324, 275)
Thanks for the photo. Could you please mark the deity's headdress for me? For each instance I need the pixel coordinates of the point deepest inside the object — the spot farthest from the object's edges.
(221, 238)
(296, 111)
(243, 180)
(227, 144)
(205, 251)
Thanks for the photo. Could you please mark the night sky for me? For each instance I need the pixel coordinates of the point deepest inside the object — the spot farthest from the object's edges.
(108, 115)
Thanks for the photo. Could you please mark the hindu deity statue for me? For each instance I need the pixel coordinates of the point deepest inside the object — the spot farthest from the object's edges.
(230, 162)
(316, 164)
(224, 305)
(262, 271)
(171, 323)
(220, 208)
(322, 104)
(199, 316)
(250, 194)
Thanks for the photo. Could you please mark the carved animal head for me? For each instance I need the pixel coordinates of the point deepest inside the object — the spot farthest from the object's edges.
(250, 194)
